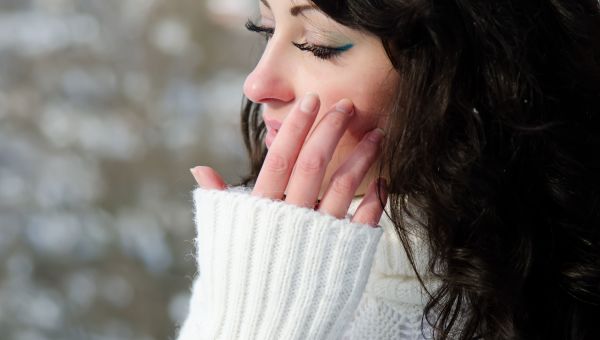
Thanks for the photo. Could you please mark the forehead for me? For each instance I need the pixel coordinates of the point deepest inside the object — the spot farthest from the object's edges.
(296, 7)
(291, 2)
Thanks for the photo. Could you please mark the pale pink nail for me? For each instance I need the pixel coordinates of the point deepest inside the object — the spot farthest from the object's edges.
(309, 103)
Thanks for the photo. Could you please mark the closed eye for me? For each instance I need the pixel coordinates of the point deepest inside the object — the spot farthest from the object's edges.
(319, 51)
(323, 52)
(267, 32)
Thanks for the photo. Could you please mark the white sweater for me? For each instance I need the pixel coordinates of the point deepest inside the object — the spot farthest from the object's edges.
(271, 270)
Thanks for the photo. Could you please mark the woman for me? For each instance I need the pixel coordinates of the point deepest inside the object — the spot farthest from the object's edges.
(482, 117)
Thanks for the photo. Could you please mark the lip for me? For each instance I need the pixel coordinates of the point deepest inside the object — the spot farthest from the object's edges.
(272, 124)
(273, 127)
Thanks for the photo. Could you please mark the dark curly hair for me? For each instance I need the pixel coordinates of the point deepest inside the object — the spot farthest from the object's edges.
(495, 139)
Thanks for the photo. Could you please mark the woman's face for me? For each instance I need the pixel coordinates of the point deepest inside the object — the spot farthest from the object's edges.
(309, 52)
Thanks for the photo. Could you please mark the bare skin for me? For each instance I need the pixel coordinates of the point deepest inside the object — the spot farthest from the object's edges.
(300, 166)
(320, 146)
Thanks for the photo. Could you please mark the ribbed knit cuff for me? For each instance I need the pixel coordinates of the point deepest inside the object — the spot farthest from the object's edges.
(271, 270)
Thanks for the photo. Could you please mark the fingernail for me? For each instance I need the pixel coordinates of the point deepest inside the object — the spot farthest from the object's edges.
(376, 135)
(345, 106)
(383, 188)
(382, 183)
(309, 103)
(196, 174)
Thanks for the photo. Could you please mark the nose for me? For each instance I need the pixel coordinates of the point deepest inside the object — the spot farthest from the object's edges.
(270, 82)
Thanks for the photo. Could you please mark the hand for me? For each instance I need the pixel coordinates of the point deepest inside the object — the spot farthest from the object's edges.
(296, 169)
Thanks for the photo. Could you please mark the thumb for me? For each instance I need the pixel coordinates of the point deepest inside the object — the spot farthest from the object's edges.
(208, 178)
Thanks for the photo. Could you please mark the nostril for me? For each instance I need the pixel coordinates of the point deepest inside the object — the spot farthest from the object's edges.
(266, 86)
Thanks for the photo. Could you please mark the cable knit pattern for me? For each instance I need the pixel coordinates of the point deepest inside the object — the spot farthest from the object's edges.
(271, 270)
(376, 319)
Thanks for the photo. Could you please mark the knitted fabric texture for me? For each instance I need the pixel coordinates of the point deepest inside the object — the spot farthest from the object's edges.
(271, 270)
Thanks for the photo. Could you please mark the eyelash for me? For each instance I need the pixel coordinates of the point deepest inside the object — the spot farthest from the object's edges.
(319, 51)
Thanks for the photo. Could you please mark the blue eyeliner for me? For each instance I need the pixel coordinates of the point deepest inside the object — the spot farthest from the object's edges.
(319, 51)
(344, 48)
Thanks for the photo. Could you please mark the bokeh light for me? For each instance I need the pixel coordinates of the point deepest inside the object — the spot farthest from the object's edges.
(104, 106)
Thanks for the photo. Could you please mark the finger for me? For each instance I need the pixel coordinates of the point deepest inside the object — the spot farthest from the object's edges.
(207, 178)
(371, 208)
(309, 170)
(279, 162)
(347, 178)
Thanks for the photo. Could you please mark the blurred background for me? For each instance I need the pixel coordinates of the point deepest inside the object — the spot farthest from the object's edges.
(104, 107)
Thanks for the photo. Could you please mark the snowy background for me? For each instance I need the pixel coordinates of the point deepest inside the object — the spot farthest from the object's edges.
(104, 106)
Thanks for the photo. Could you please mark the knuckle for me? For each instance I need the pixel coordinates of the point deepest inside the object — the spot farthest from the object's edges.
(336, 120)
(276, 163)
(344, 184)
(296, 125)
(311, 165)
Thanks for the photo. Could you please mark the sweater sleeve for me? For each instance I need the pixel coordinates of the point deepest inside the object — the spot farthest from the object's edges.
(271, 270)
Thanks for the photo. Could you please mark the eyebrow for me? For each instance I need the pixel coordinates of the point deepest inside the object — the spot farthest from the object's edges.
(294, 11)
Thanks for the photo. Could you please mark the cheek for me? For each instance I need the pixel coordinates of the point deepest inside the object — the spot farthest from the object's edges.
(371, 98)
